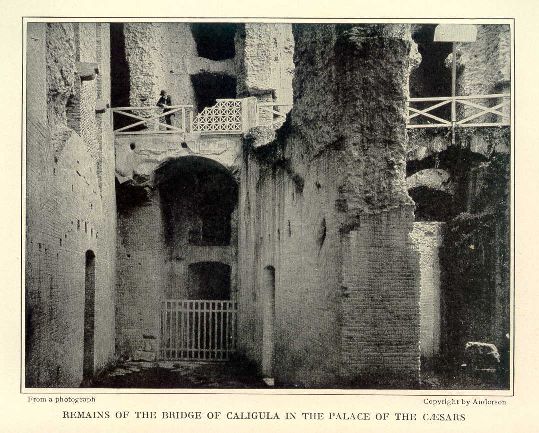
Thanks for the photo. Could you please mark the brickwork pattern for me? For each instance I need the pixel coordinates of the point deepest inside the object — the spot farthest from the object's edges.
(379, 268)
(67, 214)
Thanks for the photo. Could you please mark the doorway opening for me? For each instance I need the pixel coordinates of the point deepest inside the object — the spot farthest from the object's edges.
(215, 41)
(89, 315)
(268, 320)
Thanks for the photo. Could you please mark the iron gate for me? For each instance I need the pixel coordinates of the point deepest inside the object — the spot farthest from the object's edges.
(198, 329)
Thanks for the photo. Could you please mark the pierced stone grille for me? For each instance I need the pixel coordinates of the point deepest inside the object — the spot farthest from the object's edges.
(223, 117)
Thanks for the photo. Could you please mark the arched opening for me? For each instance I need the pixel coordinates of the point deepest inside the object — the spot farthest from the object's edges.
(209, 280)
(197, 197)
(268, 320)
(432, 204)
(215, 41)
(89, 315)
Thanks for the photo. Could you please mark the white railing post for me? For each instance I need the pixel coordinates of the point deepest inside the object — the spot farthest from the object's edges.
(184, 129)
(453, 92)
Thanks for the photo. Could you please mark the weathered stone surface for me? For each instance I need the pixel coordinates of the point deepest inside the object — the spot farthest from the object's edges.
(61, 69)
(479, 355)
(164, 56)
(432, 178)
(259, 136)
(486, 63)
(144, 355)
(137, 157)
(423, 143)
(265, 61)
(150, 65)
(484, 141)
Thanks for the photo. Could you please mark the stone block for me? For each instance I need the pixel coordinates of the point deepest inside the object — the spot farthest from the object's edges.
(480, 356)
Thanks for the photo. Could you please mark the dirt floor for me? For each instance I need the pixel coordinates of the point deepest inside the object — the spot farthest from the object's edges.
(226, 375)
(178, 374)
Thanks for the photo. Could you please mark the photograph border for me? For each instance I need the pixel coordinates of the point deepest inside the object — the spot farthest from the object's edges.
(281, 391)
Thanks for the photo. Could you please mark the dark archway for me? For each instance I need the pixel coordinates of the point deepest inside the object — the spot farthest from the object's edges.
(89, 315)
(197, 196)
(432, 204)
(215, 41)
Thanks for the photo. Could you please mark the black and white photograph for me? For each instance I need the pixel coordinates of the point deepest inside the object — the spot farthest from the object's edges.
(267, 205)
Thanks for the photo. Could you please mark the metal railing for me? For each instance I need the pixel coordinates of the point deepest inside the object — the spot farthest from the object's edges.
(459, 111)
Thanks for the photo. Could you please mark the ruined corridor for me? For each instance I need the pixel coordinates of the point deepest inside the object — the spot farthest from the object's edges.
(267, 205)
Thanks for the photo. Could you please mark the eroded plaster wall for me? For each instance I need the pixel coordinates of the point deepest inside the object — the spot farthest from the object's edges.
(281, 227)
(326, 206)
(485, 65)
(265, 61)
(70, 205)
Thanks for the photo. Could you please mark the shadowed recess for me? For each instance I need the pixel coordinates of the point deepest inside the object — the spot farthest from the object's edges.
(197, 199)
(215, 41)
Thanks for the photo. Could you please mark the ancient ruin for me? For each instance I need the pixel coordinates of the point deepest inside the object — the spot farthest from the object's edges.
(328, 203)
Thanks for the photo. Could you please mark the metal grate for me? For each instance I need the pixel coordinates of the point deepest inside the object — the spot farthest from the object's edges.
(198, 329)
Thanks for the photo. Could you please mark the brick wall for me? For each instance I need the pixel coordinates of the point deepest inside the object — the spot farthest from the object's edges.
(67, 212)
(380, 335)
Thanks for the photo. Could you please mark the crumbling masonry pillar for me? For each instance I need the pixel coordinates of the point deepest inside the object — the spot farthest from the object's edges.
(380, 306)
(326, 205)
